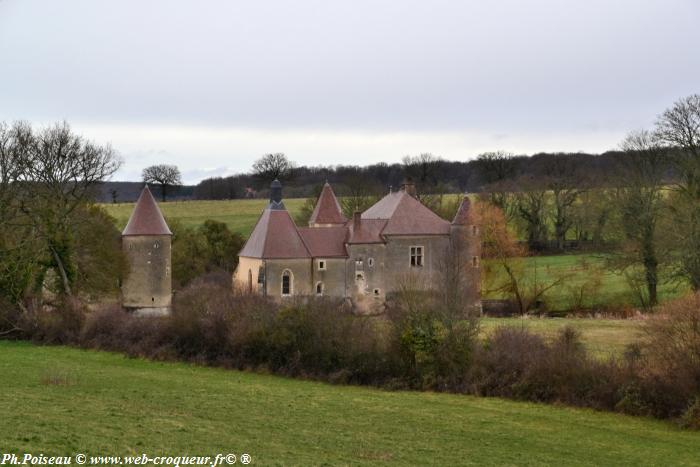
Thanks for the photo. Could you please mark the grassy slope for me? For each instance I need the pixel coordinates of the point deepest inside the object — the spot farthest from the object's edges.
(240, 215)
(120, 406)
(602, 337)
(613, 289)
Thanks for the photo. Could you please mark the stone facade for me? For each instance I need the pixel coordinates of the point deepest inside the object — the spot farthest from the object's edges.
(398, 242)
(149, 283)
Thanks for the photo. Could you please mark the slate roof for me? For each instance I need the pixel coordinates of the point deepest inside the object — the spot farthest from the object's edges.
(406, 215)
(325, 242)
(327, 209)
(275, 236)
(146, 219)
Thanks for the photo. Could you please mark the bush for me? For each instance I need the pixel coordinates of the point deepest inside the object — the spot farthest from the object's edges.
(416, 346)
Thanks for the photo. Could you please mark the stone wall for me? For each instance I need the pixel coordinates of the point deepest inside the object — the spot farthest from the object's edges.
(149, 283)
(301, 276)
(332, 277)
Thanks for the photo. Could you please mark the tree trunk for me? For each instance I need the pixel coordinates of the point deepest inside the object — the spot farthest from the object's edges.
(62, 271)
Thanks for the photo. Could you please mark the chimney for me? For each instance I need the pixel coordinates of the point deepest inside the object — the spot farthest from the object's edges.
(276, 191)
(356, 219)
(409, 187)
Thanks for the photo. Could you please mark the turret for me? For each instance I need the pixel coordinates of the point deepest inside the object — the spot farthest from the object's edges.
(327, 212)
(465, 239)
(146, 241)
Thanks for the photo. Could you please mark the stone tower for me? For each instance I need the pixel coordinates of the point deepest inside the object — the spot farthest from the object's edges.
(146, 243)
(465, 240)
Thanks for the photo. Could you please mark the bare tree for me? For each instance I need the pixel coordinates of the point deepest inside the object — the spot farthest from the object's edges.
(496, 169)
(530, 205)
(274, 166)
(640, 201)
(163, 175)
(359, 194)
(504, 269)
(566, 185)
(61, 172)
(679, 128)
(422, 168)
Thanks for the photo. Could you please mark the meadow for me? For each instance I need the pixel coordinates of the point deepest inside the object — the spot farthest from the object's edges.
(602, 337)
(60, 400)
(240, 215)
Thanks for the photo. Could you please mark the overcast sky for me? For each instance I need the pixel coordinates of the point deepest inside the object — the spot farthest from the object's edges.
(212, 85)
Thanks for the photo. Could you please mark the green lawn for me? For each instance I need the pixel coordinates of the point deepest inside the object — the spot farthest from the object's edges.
(240, 214)
(579, 270)
(602, 337)
(120, 406)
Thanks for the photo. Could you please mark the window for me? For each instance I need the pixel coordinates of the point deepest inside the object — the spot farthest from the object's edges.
(250, 281)
(475, 261)
(156, 245)
(370, 262)
(321, 265)
(287, 283)
(358, 265)
(475, 230)
(376, 292)
(319, 288)
(359, 276)
(416, 256)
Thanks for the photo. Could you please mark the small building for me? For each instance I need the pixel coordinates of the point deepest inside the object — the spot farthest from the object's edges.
(146, 241)
(397, 242)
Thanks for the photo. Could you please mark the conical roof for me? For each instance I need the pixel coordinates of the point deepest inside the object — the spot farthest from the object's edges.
(464, 214)
(146, 219)
(327, 210)
(275, 236)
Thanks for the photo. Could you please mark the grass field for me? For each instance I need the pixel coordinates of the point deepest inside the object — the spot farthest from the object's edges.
(112, 405)
(602, 337)
(240, 215)
(613, 289)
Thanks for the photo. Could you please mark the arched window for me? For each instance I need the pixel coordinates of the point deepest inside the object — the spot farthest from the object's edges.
(250, 281)
(287, 283)
(319, 288)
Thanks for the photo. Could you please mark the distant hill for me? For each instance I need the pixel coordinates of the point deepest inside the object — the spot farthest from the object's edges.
(127, 192)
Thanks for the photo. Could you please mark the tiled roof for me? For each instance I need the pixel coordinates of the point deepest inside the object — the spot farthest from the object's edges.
(369, 231)
(325, 242)
(275, 236)
(406, 216)
(327, 210)
(146, 219)
(464, 215)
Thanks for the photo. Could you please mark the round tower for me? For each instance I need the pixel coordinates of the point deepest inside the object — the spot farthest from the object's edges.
(146, 241)
(465, 240)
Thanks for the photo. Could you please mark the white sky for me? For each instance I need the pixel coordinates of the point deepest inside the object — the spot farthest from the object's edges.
(212, 85)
